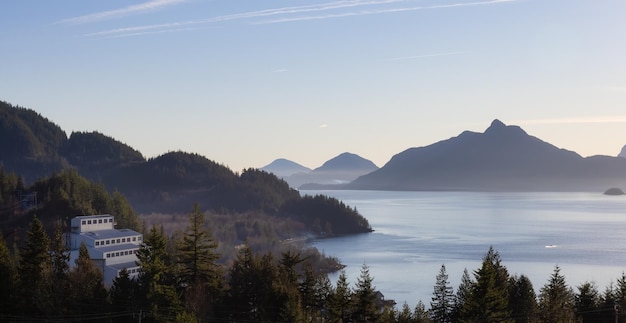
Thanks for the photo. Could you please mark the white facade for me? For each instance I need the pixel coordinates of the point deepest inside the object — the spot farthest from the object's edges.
(111, 249)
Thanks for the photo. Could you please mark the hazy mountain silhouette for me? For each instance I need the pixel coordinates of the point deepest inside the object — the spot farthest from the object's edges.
(338, 170)
(34, 148)
(283, 167)
(623, 152)
(501, 158)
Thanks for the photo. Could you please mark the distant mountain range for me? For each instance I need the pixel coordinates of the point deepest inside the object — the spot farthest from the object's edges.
(283, 168)
(623, 152)
(341, 169)
(502, 158)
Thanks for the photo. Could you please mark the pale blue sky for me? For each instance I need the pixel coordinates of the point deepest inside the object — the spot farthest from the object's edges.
(244, 82)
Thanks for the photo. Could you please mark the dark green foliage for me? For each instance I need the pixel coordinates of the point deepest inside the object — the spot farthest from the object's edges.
(364, 298)
(123, 212)
(124, 293)
(8, 276)
(556, 299)
(68, 194)
(442, 303)
(59, 280)
(87, 294)
(420, 314)
(328, 214)
(156, 280)
(264, 191)
(288, 297)
(36, 148)
(522, 300)
(251, 294)
(340, 302)
(198, 269)
(463, 293)
(30, 143)
(34, 271)
(587, 303)
(95, 153)
(489, 298)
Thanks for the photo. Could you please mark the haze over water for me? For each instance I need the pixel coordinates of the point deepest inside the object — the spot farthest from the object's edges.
(417, 232)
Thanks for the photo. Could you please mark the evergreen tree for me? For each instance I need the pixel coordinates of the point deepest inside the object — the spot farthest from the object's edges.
(8, 275)
(340, 301)
(59, 279)
(289, 299)
(123, 212)
(462, 294)
(123, 294)
(405, 315)
(489, 297)
(522, 300)
(308, 294)
(607, 302)
(364, 297)
(323, 295)
(442, 303)
(251, 293)
(34, 272)
(420, 314)
(87, 294)
(556, 299)
(587, 302)
(198, 269)
(156, 282)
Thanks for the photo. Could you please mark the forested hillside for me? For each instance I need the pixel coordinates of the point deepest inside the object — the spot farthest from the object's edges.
(57, 198)
(35, 148)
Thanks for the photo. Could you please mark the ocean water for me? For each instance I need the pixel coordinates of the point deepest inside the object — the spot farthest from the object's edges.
(416, 232)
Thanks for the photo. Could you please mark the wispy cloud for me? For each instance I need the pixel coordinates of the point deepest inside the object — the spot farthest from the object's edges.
(328, 10)
(577, 120)
(122, 12)
(382, 11)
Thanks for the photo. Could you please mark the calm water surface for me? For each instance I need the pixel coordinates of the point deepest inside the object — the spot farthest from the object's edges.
(417, 232)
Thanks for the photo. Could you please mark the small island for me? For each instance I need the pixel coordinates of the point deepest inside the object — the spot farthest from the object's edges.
(614, 191)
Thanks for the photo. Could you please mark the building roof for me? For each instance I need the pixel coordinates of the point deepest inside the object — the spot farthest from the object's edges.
(92, 216)
(110, 233)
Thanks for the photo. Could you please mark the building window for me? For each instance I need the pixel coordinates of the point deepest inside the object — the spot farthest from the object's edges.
(83, 222)
(97, 243)
(117, 254)
(88, 221)
(134, 238)
(107, 242)
(123, 240)
(118, 240)
(110, 220)
(99, 221)
(139, 238)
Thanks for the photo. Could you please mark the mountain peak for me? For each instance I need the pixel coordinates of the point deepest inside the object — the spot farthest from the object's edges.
(347, 161)
(623, 152)
(496, 125)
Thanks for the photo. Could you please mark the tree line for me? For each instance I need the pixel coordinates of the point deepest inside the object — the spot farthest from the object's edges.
(181, 280)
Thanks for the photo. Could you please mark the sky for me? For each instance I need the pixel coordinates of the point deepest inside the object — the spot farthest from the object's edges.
(244, 82)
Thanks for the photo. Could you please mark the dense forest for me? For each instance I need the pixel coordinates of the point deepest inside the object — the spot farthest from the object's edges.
(36, 149)
(182, 281)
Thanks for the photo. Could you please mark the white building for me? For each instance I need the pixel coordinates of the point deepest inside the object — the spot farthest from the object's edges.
(110, 249)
